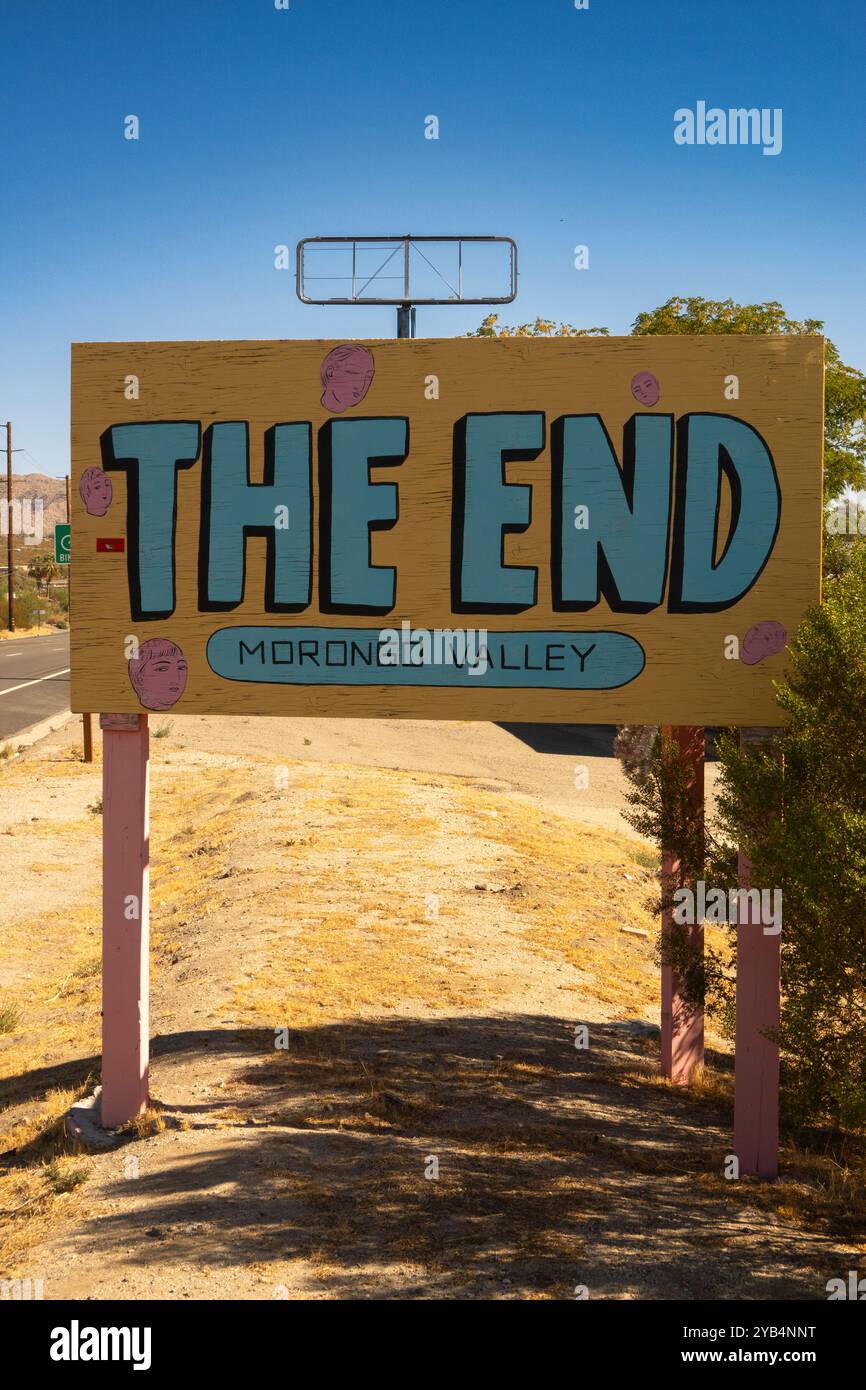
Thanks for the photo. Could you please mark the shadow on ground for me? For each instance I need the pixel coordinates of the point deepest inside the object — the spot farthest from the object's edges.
(460, 1157)
(581, 740)
(572, 740)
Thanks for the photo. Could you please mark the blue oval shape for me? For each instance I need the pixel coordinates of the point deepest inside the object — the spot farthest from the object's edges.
(469, 657)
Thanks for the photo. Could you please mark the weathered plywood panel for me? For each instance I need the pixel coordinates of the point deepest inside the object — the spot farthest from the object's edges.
(572, 498)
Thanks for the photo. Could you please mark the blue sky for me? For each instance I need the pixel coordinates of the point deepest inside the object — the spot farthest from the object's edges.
(259, 127)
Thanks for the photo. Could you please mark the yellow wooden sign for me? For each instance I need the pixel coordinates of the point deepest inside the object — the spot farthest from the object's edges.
(569, 530)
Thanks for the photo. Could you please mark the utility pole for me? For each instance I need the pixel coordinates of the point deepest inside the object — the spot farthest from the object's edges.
(67, 498)
(11, 583)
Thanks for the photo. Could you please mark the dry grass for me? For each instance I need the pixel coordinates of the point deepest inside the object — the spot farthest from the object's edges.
(323, 885)
(55, 962)
(41, 1184)
(578, 888)
(46, 630)
(10, 1018)
(150, 1122)
(562, 890)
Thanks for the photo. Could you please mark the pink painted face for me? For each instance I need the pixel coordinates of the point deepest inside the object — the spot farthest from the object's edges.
(96, 491)
(764, 639)
(158, 674)
(347, 373)
(645, 388)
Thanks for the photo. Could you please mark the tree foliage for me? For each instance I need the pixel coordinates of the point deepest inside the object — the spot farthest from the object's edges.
(542, 328)
(844, 386)
(43, 569)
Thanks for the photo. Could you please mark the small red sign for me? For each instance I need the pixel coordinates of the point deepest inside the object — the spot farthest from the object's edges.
(113, 543)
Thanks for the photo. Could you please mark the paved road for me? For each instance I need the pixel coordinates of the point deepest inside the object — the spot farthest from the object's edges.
(34, 680)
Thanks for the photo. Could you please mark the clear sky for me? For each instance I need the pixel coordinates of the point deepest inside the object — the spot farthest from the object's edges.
(260, 126)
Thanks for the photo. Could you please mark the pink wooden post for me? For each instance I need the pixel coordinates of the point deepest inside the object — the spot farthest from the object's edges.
(682, 1030)
(756, 1062)
(125, 916)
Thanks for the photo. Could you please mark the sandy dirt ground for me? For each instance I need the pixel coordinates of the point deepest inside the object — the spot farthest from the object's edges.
(374, 947)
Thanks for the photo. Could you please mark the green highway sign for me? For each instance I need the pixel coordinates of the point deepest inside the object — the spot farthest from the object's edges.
(61, 544)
